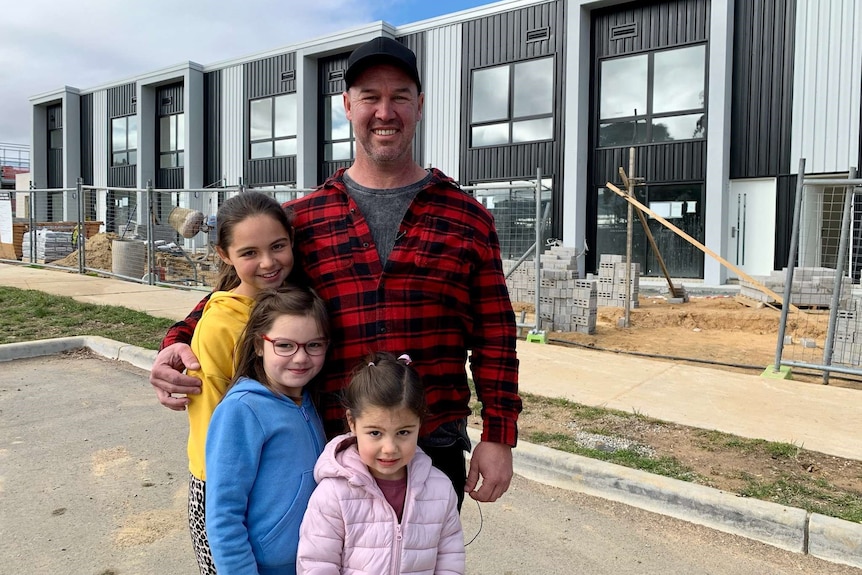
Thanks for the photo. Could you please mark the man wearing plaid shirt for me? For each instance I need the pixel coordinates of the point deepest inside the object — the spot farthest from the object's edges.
(408, 263)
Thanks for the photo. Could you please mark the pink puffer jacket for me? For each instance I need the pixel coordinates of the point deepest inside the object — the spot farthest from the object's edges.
(350, 528)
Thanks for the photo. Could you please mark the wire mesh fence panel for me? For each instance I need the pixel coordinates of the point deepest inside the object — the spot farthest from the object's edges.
(825, 331)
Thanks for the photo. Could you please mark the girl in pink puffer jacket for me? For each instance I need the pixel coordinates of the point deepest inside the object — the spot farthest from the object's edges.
(380, 507)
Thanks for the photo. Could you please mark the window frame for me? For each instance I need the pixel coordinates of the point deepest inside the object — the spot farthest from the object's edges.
(336, 102)
(272, 139)
(648, 118)
(511, 119)
(176, 137)
(130, 153)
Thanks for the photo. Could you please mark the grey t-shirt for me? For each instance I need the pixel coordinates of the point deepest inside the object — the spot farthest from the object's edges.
(384, 210)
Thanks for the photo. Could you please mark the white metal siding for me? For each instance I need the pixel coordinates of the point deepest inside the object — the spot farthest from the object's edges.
(827, 84)
(100, 138)
(442, 86)
(233, 136)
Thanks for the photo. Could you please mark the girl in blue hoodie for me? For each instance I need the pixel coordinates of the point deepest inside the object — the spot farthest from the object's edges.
(265, 437)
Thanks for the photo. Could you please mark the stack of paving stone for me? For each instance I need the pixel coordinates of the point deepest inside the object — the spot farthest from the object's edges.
(847, 344)
(611, 288)
(50, 246)
(566, 303)
(812, 286)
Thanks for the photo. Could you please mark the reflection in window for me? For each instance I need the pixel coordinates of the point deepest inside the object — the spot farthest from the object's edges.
(655, 97)
(681, 203)
(124, 141)
(679, 79)
(624, 87)
(172, 141)
(513, 103)
(273, 126)
(337, 131)
(491, 94)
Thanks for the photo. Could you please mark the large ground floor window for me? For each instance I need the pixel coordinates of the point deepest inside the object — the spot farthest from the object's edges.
(680, 204)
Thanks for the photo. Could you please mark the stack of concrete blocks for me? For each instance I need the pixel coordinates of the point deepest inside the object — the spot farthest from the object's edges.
(812, 286)
(847, 343)
(50, 246)
(565, 302)
(611, 280)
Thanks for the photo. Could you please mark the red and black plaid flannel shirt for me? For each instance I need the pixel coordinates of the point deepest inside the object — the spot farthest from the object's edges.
(441, 293)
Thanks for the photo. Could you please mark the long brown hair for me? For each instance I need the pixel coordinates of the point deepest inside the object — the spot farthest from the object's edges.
(235, 210)
(270, 304)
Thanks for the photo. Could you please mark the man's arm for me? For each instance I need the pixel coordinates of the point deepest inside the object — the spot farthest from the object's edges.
(494, 365)
(175, 355)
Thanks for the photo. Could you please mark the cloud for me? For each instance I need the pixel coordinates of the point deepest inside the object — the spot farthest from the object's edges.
(45, 44)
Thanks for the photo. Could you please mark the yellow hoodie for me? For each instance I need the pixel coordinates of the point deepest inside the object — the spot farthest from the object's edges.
(214, 344)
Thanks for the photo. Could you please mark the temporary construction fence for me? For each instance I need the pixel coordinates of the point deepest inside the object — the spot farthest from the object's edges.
(822, 279)
(166, 237)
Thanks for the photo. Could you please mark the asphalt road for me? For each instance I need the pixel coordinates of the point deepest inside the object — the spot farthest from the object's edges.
(93, 481)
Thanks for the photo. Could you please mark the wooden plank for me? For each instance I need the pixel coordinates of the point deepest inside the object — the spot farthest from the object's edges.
(698, 245)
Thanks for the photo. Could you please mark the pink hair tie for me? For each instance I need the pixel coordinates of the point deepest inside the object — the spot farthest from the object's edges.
(406, 358)
(370, 364)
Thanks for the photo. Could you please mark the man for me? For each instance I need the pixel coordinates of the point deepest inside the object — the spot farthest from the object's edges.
(408, 263)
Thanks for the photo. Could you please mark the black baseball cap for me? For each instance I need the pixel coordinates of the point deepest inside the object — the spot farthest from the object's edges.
(382, 50)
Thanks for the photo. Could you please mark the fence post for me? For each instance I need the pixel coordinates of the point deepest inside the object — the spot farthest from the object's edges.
(151, 252)
(82, 232)
(538, 248)
(32, 227)
(791, 261)
(839, 276)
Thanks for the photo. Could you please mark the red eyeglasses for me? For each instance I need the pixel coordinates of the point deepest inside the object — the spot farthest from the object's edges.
(288, 347)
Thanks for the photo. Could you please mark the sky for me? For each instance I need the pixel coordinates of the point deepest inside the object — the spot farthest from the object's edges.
(48, 44)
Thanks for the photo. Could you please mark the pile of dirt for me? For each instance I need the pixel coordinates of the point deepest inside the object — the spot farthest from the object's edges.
(97, 251)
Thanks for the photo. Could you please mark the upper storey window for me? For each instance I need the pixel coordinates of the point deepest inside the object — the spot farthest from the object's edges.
(653, 97)
(124, 141)
(273, 127)
(513, 104)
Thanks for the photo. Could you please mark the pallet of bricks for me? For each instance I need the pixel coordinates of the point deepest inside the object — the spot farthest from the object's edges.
(812, 287)
(51, 245)
(847, 344)
(611, 282)
(566, 303)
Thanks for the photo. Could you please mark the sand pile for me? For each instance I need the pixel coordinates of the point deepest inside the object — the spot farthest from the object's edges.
(97, 251)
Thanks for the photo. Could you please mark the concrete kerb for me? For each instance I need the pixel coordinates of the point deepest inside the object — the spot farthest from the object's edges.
(785, 527)
(790, 528)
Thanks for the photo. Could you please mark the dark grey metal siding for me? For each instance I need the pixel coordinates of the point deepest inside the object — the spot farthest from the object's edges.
(169, 101)
(331, 77)
(121, 101)
(268, 77)
(87, 139)
(502, 39)
(785, 202)
(762, 100)
(212, 128)
(660, 25)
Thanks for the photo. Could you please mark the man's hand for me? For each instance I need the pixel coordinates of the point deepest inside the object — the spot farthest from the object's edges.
(493, 462)
(167, 376)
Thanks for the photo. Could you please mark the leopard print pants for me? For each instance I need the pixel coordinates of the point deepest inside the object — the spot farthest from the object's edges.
(197, 525)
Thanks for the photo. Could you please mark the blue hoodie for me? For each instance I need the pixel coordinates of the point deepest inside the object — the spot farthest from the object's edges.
(260, 454)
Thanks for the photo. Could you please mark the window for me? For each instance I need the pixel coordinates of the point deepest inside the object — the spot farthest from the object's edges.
(337, 131)
(273, 127)
(513, 104)
(171, 141)
(651, 98)
(55, 128)
(124, 141)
